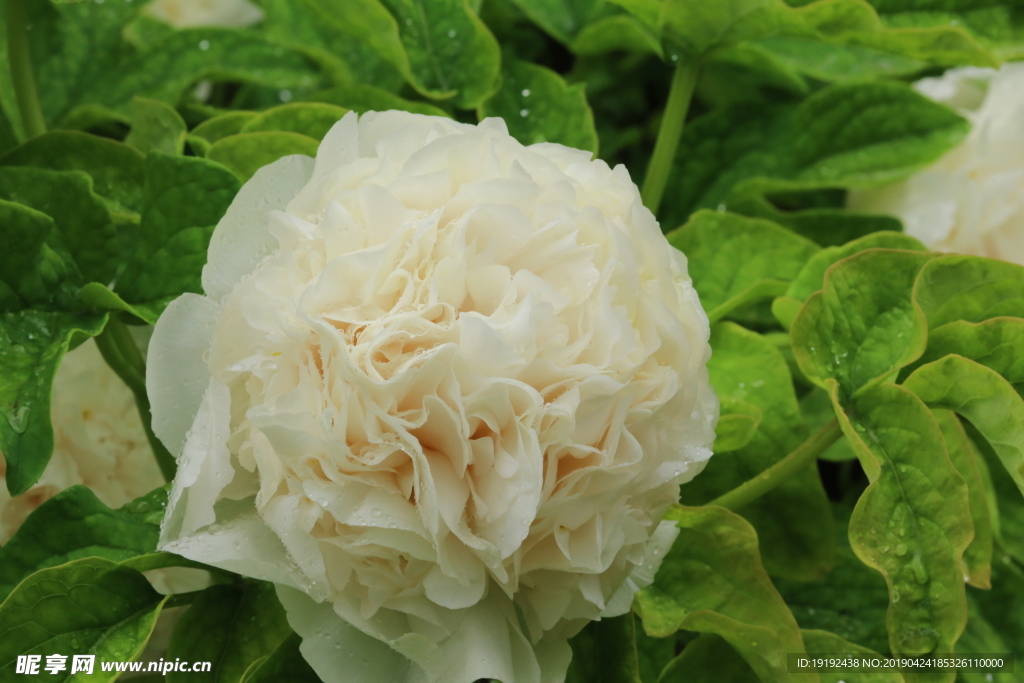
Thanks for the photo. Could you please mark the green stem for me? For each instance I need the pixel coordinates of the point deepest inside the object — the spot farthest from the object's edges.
(22, 78)
(119, 350)
(679, 96)
(805, 453)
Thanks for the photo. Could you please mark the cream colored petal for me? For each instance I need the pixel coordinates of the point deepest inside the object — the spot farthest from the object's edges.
(337, 651)
(242, 238)
(176, 374)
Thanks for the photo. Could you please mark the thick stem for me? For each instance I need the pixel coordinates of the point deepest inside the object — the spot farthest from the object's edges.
(22, 78)
(805, 453)
(679, 96)
(121, 353)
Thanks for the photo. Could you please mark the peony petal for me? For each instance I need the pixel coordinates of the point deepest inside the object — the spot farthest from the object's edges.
(242, 237)
(339, 652)
(176, 374)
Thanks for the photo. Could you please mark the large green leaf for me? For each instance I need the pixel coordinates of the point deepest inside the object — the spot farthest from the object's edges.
(77, 211)
(539, 106)
(708, 659)
(712, 581)
(736, 261)
(793, 521)
(970, 288)
(977, 561)
(737, 424)
(247, 153)
(996, 343)
(115, 168)
(825, 643)
(32, 343)
(88, 606)
(75, 524)
(156, 126)
(563, 20)
(234, 626)
(605, 652)
(850, 601)
(90, 71)
(297, 26)
(185, 199)
(913, 521)
(440, 46)
(982, 396)
(846, 135)
(35, 268)
(864, 325)
(284, 665)
(363, 98)
(312, 119)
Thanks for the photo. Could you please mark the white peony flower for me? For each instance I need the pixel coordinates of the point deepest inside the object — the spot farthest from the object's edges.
(972, 200)
(193, 13)
(441, 389)
(98, 441)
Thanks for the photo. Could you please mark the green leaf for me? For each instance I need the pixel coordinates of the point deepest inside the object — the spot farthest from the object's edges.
(913, 521)
(156, 126)
(812, 276)
(617, 32)
(297, 26)
(696, 28)
(363, 98)
(247, 153)
(115, 168)
(35, 269)
(831, 61)
(185, 199)
(981, 638)
(539, 106)
(605, 652)
(88, 606)
(982, 396)
(845, 135)
(712, 581)
(994, 343)
(864, 325)
(970, 288)
(850, 601)
(793, 521)
(305, 118)
(562, 20)
(440, 46)
(735, 261)
(708, 659)
(75, 524)
(736, 425)
(233, 626)
(32, 344)
(284, 665)
(825, 643)
(977, 560)
(79, 53)
(78, 213)
(223, 125)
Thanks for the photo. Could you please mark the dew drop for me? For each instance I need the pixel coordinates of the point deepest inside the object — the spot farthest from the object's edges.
(285, 95)
(204, 45)
(452, 33)
(526, 92)
(901, 549)
(524, 112)
(18, 419)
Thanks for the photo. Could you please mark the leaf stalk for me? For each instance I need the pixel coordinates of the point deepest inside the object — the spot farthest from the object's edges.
(805, 453)
(23, 80)
(669, 133)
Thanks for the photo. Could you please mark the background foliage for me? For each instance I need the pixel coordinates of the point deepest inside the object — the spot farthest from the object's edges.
(866, 492)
